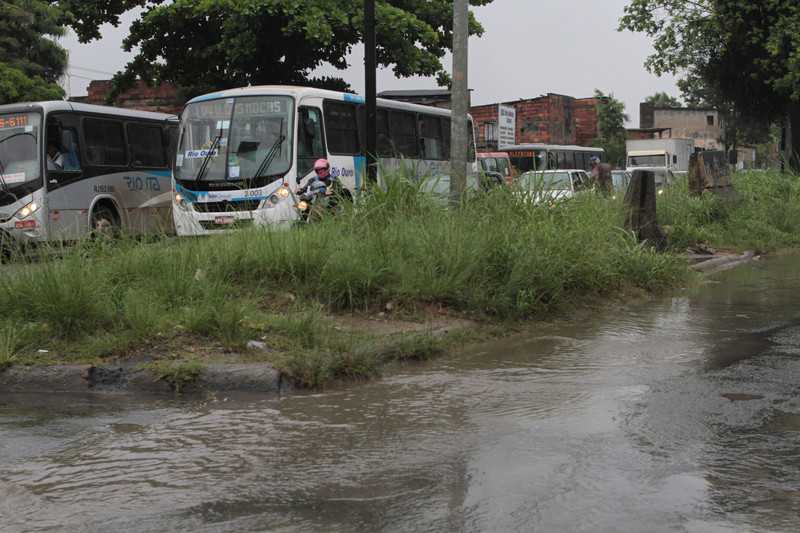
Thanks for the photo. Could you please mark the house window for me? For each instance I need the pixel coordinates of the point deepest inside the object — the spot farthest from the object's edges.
(710, 120)
(490, 131)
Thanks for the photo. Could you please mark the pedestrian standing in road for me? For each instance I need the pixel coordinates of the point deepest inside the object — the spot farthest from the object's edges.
(601, 176)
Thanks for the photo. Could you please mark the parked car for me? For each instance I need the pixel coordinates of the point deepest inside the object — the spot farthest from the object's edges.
(621, 180)
(552, 185)
(664, 177)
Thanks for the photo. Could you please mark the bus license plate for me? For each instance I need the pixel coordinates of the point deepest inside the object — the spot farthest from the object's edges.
(224, 221)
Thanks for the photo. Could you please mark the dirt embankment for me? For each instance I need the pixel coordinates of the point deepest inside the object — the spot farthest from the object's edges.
(144, 375)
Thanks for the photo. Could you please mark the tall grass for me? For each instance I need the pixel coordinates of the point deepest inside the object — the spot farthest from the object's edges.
(763, 213)
(496, 255)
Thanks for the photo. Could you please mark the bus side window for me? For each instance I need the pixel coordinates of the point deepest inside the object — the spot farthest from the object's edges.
(69, 143)
(146, 146)
(552, 161)
(310, 142)
(431, 141)
(341, 128)
(105, 142)
(403, 127)
(446, 137)
(562, 160)
(385, 145)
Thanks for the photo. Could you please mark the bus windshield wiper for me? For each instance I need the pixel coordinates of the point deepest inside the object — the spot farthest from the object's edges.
(209, 154)
(271, 154)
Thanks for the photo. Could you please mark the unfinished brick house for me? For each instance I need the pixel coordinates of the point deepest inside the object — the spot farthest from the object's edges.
(548, 119)
(163, 98)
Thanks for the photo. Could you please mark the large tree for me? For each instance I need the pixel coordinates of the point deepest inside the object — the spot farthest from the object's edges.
(611, 119)
(736, 53)
(31, 63)
(216, 44)
(663, 100)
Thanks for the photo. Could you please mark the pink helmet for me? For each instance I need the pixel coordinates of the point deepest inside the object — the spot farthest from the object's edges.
(322, 168)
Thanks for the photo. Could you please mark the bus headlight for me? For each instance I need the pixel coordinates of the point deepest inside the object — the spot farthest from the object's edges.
(180, 201)
(302, 205)
(283, 192)
(27, 210)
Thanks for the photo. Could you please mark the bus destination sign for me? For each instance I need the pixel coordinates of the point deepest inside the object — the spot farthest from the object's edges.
(13, 121)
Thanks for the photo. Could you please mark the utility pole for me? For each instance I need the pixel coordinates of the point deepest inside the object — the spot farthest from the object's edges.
(459, 136)
(370, 84)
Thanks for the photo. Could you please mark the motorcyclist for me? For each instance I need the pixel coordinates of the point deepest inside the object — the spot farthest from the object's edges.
(322, 181)
(321, 191)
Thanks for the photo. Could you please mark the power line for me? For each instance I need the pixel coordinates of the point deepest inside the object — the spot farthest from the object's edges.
(91, 70)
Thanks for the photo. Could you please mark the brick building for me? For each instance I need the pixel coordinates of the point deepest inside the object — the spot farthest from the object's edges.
(703, 125)
(548, 119)
(163, 98)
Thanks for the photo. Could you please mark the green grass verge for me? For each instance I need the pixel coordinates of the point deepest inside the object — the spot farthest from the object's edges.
(495, 257)
(764, 214)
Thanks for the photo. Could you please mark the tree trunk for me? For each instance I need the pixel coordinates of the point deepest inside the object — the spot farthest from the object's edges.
(792, 155)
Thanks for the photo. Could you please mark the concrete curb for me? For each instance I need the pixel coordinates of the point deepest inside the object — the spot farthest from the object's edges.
(257, 377)
(716, 263)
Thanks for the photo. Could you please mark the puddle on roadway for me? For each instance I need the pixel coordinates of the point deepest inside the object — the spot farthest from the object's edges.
(630, 422)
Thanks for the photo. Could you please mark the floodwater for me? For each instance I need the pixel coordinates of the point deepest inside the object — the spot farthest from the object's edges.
(680, 414)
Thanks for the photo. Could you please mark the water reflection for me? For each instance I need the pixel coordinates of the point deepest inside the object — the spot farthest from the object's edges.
(606, 423)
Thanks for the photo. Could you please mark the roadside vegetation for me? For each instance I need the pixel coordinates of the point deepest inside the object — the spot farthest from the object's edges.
(178, 304)
(762, 215)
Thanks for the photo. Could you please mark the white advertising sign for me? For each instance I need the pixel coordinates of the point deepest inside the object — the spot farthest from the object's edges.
(506, 126)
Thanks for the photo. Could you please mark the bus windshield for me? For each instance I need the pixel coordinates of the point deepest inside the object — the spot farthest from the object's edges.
(647, 161)
(236, 139)
(19, 148)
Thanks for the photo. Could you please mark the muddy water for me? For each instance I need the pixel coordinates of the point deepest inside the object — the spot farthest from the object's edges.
(676, 415)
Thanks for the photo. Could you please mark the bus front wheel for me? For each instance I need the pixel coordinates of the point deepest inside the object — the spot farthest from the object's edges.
(105, 221)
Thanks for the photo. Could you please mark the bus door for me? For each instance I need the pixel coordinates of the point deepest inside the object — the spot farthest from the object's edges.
(67, 219)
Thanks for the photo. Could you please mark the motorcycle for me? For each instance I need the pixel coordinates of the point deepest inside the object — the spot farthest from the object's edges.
(314, 202)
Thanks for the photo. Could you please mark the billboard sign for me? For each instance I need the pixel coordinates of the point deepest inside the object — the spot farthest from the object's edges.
(506, 126)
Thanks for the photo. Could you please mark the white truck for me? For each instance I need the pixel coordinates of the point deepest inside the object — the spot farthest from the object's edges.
(671, 154)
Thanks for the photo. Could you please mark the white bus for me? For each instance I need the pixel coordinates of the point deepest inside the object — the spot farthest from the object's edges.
(528, 157)
(243, 153)
(69, 168)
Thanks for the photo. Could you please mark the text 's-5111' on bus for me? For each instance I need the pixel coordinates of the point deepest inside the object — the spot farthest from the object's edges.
(243, 153)
(67, 169)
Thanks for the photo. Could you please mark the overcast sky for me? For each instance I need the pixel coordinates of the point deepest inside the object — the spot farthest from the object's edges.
(530, 47)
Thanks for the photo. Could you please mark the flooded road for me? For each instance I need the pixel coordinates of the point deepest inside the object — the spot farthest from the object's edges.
(680, 414)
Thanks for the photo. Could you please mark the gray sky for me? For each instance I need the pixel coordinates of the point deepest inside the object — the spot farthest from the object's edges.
(530, 47)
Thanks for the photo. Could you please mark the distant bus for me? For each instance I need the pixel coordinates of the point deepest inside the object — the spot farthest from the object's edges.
(527, 157)
(243, 153)
(498, 163)
(67, 169)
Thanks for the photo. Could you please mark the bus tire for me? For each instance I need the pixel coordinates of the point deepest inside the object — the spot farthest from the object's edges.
(105, 220)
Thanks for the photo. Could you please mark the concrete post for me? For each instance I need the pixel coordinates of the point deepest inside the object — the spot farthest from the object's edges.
(640, 207)
(459, 135)
(370, 84)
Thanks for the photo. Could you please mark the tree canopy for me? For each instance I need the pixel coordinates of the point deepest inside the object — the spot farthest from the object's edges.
(217, 44)
(662, 99)
(30, 62)
(739, 54)
(611, 119)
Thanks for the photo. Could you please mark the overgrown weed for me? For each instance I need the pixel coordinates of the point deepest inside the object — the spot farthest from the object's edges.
(496, 255)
